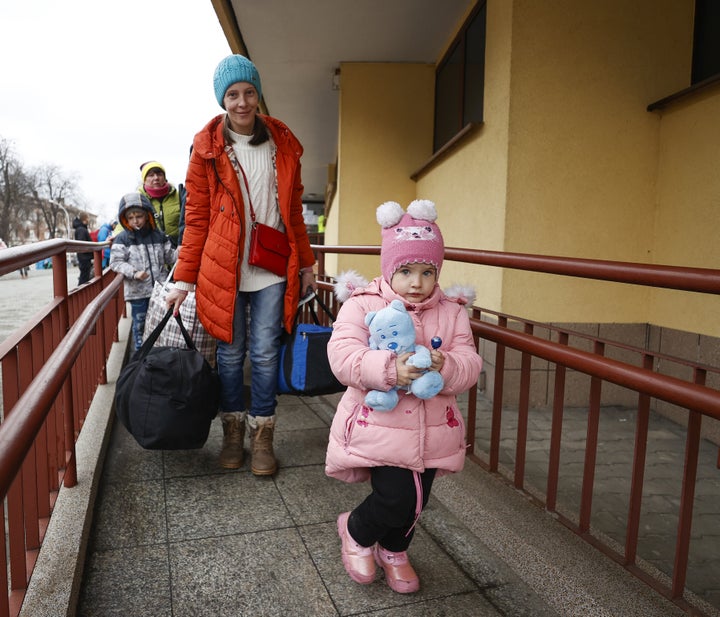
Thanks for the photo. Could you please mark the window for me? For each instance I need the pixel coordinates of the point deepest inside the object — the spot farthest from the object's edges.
(706, 42)
(459, 80)
(705, 71)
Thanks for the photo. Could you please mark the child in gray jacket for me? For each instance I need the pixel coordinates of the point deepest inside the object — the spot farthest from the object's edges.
(143, 254)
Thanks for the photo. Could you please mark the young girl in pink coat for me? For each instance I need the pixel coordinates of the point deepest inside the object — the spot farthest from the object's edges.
(400, 451)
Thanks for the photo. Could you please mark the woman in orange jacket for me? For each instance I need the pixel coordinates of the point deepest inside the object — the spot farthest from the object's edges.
(244, 166)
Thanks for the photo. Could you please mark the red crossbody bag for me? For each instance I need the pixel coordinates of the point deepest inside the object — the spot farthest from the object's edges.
(269, 247)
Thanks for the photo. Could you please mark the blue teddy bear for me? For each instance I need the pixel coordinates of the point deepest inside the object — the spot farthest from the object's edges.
(391, 328)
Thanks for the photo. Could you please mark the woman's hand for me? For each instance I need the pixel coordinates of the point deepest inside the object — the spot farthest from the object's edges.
(175, 298)
(307, 281)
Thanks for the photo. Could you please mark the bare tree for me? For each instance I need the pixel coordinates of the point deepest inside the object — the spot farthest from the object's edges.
(52, 188)
(15, 185)
(31, 201)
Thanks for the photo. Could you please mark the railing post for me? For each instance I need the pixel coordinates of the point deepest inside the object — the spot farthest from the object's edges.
(498, 391)
(97, 263)
(556, 430)
(60, 289)
(687, 496)
(638, 471)
(523, 412)
(591, 445)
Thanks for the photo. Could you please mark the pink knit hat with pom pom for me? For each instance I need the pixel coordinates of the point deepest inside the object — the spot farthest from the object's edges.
(409, 237)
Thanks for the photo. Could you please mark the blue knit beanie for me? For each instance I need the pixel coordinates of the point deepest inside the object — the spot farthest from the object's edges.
(233, 69)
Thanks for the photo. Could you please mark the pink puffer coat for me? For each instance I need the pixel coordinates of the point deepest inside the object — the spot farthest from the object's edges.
(417, 434)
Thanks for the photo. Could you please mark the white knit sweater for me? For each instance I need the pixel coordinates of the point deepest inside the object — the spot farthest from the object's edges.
(257, 162)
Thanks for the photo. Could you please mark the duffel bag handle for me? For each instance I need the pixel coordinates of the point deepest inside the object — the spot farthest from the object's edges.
(155, 334)
(310, 299)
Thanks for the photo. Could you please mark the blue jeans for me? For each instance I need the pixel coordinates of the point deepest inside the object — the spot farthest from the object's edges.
(257, 329)
(139, 311)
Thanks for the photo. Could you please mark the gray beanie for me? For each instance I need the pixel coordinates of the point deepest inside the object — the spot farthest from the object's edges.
(233, 69)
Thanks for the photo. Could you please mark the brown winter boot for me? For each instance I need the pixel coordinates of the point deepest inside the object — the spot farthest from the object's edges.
(231, 455)
(261, 445)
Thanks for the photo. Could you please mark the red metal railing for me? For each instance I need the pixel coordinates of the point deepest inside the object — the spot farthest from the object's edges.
(51, 367)
(51, 379)
(521, 335)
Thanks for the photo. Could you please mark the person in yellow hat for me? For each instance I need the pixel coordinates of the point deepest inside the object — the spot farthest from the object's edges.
(167, 200)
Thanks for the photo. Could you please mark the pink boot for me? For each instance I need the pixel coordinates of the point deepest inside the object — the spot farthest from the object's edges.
(358, 560)
(399, 574)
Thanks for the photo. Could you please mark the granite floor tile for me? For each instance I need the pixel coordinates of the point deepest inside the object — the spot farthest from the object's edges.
(330, 497)
(297, 416)
(268, 573)
(210, 506)
(302, 447)
(126, 582)
(130, 514)
(470, 604)
(324, 406)
(497, 583)
(128, 462)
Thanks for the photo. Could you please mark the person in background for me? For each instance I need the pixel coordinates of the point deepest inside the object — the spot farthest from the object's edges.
(105, 232)
(85, 260)
(167, 200)
(243, 158)
(399, 451)
(142, 254)
(24, 270)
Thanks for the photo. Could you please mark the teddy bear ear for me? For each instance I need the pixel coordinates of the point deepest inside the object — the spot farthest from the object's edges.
(369, 317)
(389, 213)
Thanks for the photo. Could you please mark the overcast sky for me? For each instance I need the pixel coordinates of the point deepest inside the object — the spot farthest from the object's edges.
(96, 88)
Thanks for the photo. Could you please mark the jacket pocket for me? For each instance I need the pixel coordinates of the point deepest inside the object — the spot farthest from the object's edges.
(446, 434)
(354, 420)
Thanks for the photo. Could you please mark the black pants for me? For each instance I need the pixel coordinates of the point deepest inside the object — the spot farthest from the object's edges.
(387, 515)
(85, 266)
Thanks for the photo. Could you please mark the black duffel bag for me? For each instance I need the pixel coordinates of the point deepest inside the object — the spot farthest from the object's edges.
(166, 397)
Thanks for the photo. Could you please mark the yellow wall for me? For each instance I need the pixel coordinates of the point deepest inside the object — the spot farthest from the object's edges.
(688, 210)
(567, 162)
(583, 157)
(386, 119)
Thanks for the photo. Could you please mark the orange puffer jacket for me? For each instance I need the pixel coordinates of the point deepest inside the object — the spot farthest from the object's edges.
(214, 234)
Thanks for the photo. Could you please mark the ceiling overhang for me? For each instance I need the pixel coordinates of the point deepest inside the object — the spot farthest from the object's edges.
(298, 47)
